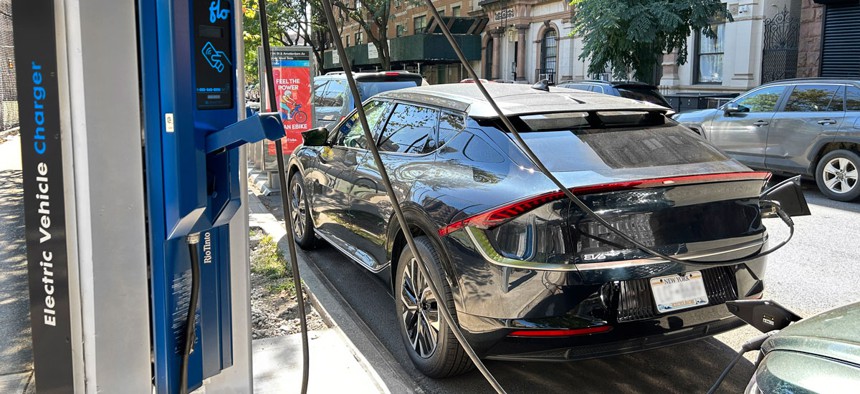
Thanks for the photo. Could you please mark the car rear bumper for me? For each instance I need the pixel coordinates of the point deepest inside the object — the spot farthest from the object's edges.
(495, 301)
(623, 338)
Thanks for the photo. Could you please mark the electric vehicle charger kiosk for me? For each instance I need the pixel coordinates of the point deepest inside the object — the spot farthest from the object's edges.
(130, 129)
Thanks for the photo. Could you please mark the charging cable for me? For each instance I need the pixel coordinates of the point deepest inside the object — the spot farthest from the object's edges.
(287, 208)
(192, 240)
(752, 344)
(401, 219)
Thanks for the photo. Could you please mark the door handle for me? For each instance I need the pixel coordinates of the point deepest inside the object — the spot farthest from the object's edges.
(825, 122)
(760, 123)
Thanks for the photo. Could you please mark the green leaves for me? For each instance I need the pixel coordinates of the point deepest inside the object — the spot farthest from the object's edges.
(630, 35)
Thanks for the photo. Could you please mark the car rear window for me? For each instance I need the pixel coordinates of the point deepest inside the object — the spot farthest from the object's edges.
(646, 95)
(622, 140)
(368, 89)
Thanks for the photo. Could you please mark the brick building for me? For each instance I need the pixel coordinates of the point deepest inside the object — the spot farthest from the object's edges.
(511, 40)
(415, 41)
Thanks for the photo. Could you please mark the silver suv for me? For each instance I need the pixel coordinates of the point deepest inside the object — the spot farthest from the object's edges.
(809, 127)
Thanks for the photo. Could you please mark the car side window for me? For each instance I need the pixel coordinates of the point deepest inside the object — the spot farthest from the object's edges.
(319, 93)
(410, 129)
(449, 125)
(352, 134)
(335, 94)
(852, 99)
(597, 89)
(762, 100)
(815, 98)
(580, 86)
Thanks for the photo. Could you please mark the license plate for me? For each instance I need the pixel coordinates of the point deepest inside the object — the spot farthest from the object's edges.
(676, 292)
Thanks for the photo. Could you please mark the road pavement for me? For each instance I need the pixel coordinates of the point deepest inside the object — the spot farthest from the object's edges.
(16, 359)
(816, 271)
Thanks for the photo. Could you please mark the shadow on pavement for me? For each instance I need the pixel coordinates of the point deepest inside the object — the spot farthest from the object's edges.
(15, 342)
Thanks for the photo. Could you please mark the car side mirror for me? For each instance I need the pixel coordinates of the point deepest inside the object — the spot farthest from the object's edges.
(764, 315)
(315, 137)
(787, 196)
(731, 108)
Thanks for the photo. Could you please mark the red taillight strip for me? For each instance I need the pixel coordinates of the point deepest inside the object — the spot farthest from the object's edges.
(556, 333)
(500, 215)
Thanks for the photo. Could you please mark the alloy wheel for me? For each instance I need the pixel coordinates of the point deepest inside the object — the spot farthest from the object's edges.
(840, 175)
(420, 311)
(299, 208)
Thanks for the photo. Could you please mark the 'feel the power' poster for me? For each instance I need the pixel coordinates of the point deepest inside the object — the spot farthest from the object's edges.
(291, 69)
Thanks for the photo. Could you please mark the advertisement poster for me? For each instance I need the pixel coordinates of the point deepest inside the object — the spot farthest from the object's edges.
(291, 68)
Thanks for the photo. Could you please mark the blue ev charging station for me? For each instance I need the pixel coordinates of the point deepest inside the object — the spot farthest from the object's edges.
(131, 130)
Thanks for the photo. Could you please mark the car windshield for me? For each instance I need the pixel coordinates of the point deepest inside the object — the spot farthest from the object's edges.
(643, 94)
(612, 140)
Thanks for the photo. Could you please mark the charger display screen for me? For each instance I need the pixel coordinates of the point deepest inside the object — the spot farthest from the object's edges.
(213, 54)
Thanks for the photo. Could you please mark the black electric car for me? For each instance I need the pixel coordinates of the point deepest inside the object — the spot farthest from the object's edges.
(528, 274)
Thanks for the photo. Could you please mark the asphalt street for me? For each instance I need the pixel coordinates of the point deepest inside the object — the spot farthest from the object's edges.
(816, 271)
(16, 359)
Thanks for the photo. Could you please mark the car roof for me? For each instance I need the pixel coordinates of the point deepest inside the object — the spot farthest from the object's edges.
(514, 99)
(794, 81)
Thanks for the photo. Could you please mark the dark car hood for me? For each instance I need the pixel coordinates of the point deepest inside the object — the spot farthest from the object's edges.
(834, 334)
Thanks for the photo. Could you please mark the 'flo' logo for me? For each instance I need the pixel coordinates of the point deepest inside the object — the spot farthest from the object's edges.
(215, 12)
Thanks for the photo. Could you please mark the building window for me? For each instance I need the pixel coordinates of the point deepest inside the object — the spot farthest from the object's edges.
(347, 41)
(400, 31)
(709, 55)
(418, 23)
(455, 11)
(549, 50)
(358, 38)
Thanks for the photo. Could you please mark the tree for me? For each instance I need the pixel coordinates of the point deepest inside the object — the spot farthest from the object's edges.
(372, 16)
(630, 35)
(313, 28)
(282, 22)
(291, 22)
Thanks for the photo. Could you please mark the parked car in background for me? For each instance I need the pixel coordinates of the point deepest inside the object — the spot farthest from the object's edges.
(528, 275)
(809, 127)
(628, 89)
(332, 100)
(818, 354)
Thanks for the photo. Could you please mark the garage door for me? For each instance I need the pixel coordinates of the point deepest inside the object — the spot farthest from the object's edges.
(840, 55)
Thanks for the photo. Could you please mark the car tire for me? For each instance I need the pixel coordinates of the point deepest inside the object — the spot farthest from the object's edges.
(837, 176)
(303, 227)
(430, 342)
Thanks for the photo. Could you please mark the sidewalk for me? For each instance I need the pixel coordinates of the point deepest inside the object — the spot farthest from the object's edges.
(336, 365)
(16, 359)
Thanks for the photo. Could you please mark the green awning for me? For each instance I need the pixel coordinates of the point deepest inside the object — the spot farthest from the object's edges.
(424, 48)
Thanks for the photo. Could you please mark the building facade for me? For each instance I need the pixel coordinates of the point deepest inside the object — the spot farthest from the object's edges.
(528, 40)
(415, 41)
(760, 44)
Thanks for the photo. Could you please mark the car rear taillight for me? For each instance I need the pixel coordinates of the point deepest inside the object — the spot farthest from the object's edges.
(392, 74)
(507, 212)
(559, 333)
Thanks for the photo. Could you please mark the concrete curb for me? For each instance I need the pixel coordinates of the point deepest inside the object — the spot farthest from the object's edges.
(260, 217)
